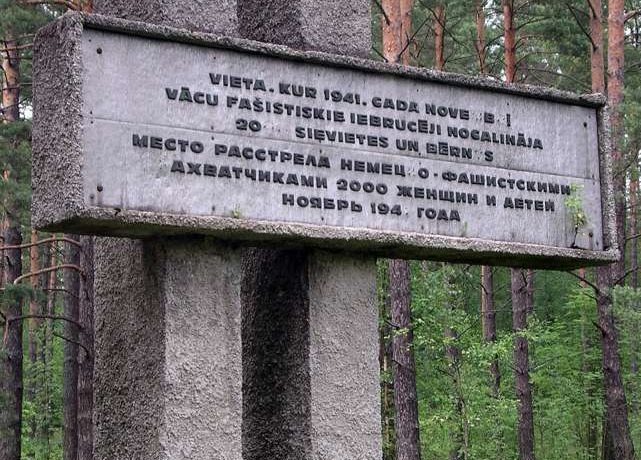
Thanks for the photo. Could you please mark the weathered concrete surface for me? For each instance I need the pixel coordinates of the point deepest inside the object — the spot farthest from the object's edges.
(212, 16)
(69, 208)
(310, 356)
(331, 26)
(57, 113)
(343, 358)
(168, 354)
(276, 371)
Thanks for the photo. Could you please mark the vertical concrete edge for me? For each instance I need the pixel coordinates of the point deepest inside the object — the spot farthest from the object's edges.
(57, 122)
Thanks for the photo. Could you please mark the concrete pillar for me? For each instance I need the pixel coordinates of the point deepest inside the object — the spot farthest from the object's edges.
(310, 319)
(168, 351)
(213, 16)
(331, 26)
(310, 356)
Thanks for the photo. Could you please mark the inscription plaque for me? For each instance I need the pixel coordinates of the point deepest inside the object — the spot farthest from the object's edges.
(182, 133)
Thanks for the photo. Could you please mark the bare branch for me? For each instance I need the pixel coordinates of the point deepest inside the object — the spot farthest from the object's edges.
(69, 4)
(581, 26)
(551, 72)
(380, 7)
(72, 341)
(56, 317)
(48, 240)
(585, 280)
(625, 275)
(16, 48)
(379, 53)
(631, 15)
(47, 270)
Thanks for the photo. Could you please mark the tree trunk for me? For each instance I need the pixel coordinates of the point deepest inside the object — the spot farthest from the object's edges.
(520, 303)
(405, 400)
(406, 30)
(46, 354)
(391, 25)
(387, 408)
(11, 81)
(453, 357)
(439, 37)
(34, 323)
(479, 44)
(51, 292)
(86, 359)
(596, 46)
(11, 357)
(615, 100)
(70, 353)
(488, 317)
(11, 350)
(86, 6)
(633, 281)
(509, 38)
(617, 434)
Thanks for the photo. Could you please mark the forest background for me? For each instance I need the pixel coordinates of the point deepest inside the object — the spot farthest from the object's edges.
(476, 362)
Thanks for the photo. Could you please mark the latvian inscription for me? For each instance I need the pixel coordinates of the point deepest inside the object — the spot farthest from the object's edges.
(211, 132)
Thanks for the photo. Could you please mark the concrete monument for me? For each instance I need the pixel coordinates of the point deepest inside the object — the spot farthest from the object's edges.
(194, 143)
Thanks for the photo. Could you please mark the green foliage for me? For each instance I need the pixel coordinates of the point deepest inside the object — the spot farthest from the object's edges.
(21, 23)
(565, 374)
(574, 206)
(42, 408)
(15, 160)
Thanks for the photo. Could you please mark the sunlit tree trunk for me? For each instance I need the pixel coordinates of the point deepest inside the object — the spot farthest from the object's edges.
(439, 37)
(406, 30)
(479, 44)
(391, 26)
(597, 69)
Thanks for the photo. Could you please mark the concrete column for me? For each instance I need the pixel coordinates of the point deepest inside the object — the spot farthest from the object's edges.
(213, 16)
(310, 356)
(168, 352)
(331, 26)
(310, 324)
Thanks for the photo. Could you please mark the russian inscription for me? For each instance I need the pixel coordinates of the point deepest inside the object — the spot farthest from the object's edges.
(179, 129)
